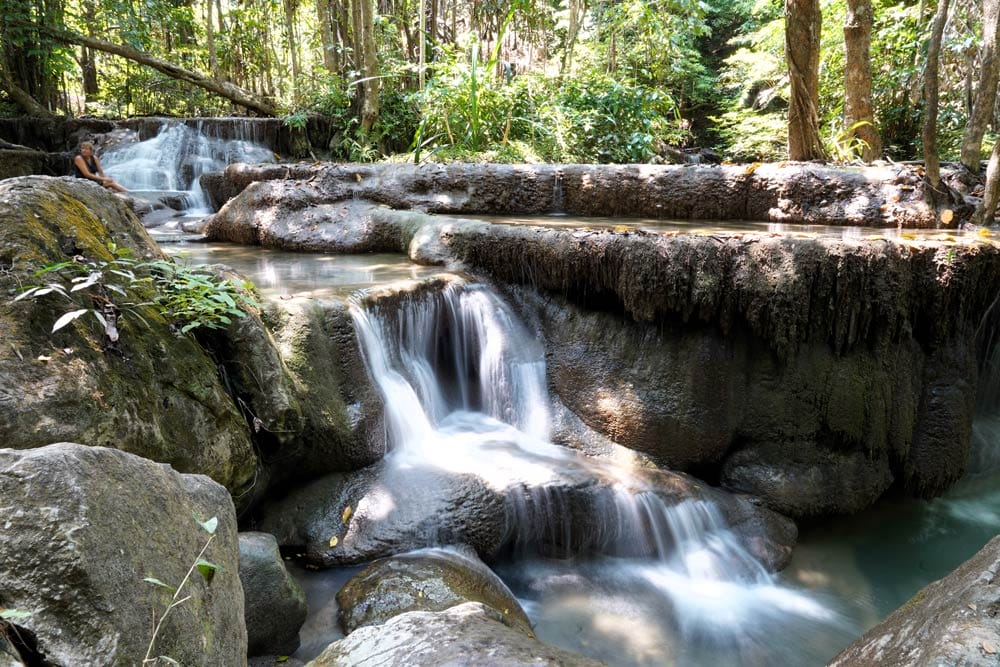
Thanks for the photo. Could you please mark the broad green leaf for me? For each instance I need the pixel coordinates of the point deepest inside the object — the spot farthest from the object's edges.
(207, 569)
(157, 582)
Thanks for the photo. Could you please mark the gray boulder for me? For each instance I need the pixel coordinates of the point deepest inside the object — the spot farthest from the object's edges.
(425, 580)
(953, 621)
(83, 526)
(469, 635)
(274, 603)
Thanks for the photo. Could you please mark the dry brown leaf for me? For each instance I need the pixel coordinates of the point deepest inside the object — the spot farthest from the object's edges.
(989, 648)
(333, 541)
(947, 216)
(346, 516)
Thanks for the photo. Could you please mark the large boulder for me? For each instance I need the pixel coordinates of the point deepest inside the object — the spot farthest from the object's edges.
(153, 393)
(953, 621)
(83, 526)
(424, 580)
(469, 634)
(274, 603)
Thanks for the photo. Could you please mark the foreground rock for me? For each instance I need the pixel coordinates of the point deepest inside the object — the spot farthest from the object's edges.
(274, 603)
(425, 580)
(788, 192)
(469, 634)
(83, 526)
(153, 393)
(953, 621)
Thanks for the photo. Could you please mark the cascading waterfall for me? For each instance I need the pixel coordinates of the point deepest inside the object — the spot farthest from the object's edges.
(464, 390)
(174, 160)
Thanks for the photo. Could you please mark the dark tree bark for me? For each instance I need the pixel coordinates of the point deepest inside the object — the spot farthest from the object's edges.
(365, 26)
(859, 118)
(987, 209)
(221, 88)
(20, 96)
(932, 161)
(803, 25)
(982, 109)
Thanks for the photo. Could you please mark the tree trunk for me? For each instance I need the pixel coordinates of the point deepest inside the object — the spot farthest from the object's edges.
(369, 65)
(987, 208)
(858, 116)
(803, 25)
(293, 45)
(932, 162)
(21, 97)
(213, 56)
(982, 109)
(226, 90)
(324, 14)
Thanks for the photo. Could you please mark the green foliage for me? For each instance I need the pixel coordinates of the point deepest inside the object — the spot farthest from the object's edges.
(106, 290)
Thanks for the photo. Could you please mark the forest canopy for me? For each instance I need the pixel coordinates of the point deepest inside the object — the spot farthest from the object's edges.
(510, 80)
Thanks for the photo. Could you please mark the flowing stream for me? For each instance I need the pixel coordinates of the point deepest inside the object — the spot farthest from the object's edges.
(649, 582)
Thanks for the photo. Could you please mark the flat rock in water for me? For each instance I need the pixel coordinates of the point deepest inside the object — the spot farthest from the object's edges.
(469, 635)
(425, 580)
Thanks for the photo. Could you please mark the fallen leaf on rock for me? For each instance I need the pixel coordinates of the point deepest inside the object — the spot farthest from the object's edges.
(984, 232)
(989, 648)
(43, 358)
(947, 216)
(333, 541)
(752, 168)
(345, 517)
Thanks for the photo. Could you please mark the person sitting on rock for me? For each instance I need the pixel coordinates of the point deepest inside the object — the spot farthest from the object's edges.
(86, 165)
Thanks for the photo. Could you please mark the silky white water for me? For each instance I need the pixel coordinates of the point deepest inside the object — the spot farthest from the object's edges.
(464, 390)
(174, 160)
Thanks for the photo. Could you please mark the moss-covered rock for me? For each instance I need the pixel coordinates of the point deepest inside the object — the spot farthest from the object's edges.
(153, 393)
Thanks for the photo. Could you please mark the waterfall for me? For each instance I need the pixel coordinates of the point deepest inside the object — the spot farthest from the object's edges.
(172, 162)
(464, 389)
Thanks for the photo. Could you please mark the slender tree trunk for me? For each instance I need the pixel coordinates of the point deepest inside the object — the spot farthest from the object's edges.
(291, 6)
(932, 161)
(213, 56)
(369, 67)
(987, 208)
(803, 26)
(859, 118)
(227, 90)
(324, 17)
(982, 109)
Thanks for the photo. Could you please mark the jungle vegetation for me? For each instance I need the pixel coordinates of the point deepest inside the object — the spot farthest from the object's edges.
(535, 80)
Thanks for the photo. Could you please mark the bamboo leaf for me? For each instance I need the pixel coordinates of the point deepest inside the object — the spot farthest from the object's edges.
(67, 318)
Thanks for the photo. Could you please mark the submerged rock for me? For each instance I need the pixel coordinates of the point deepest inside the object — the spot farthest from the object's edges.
(83, 526)
(469, 634)
(274, 603)
(425, 580)
(953, 621)
(154, 393)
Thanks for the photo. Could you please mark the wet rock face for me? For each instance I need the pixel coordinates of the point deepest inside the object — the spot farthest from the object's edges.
(155, 394)
(84, 526)
(274, 603)
(469, 634)
(953, 621)
(426, 580)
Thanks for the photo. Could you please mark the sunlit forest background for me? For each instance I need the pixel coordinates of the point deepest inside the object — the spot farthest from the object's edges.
(505, 80)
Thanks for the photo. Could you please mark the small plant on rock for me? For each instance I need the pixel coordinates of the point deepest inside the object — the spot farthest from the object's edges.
(205, 568)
